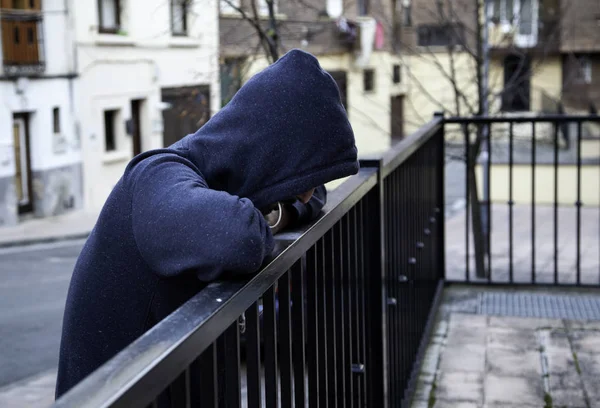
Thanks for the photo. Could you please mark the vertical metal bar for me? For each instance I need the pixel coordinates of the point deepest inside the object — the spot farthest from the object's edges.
(489, 203)
(441, 203)
(285, 340)
(322, 345)
(578, 259)
(298, 336)
(362, 284)
(556, 127)
(533, 162)
(398, 268)
(377, 361)
(510, 202)
(221, 385)
(343, 322)
(353, 313)
(270, 348)
(467, 194)
(390, 209)
(208, 384)
(233, 384)
(331, 315)
(400, 331)
(253, 371)
(312, 329)
(349, 241)
(178, 391)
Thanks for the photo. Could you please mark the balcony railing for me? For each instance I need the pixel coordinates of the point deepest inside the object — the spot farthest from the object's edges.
(22, 42)
(345, 309)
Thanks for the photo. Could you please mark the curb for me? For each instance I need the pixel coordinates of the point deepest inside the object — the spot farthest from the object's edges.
(47, 240)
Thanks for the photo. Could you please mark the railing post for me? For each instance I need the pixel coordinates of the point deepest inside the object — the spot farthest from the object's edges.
(441, 195)
(377, 362)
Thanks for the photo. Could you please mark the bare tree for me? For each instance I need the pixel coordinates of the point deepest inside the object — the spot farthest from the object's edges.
(464, 24)
(268, 35)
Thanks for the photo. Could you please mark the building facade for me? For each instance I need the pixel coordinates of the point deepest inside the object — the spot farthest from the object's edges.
(543, 56)
(86, 85)
(148, 76)
(353, 41)
(40, 148)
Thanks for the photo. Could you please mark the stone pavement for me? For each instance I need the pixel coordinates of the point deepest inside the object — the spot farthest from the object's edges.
(491, 362)
(77, 224)
(35, 392)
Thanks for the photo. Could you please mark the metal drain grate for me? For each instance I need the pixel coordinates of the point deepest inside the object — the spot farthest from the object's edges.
(575, 307)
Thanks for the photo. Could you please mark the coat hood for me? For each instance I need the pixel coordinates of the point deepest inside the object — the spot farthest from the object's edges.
(283, 133)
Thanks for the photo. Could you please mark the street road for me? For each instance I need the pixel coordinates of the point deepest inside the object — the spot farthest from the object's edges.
(33, 287)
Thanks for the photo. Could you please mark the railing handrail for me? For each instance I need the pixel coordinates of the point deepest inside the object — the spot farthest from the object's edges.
(132, 376)
(552, 118)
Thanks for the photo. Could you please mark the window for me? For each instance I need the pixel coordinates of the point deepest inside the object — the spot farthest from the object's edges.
(24, 4)
(229, 6)
(179, 12)
(109, 13)
(397, 75)
(503, 11)
(369, 80)
(406, 14)
(110, 121)
(520, 16)
(56, 120)
(363, 7)
(440, 36)
(584, 70)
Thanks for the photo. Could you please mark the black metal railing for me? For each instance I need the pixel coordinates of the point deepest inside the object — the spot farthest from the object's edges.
(539, 198)
(339, 318)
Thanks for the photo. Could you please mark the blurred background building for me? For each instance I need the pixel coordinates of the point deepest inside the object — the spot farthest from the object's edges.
(86, 85)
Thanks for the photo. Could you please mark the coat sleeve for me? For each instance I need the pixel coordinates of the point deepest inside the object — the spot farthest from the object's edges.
(305, 213)
(182, 226)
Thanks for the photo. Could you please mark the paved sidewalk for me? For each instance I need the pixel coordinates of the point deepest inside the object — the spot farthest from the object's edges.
(479, 361)
(34, 392)
(77, 224)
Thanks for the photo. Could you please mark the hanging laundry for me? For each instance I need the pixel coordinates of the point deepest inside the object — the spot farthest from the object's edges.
(379, 36)
(367, 40)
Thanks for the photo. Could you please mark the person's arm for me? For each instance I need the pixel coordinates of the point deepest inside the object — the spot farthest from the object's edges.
(182, 226)
(301, 213)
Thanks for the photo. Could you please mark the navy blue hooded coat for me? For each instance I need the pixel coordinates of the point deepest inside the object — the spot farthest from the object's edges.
(187, 215)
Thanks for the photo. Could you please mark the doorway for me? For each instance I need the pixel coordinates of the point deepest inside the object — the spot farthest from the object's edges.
(22, 154)
(397, 118)
(517, 84)
(136, 125)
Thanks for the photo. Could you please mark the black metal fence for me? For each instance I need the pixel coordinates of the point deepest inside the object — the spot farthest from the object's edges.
(539, 191)
(338, 319)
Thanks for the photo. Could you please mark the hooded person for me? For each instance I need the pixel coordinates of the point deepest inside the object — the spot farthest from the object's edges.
(186, 215)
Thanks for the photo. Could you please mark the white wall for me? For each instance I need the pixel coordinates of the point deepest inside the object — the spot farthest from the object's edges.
(114, 69)
(58, 37)
(38, 96)
(34, 98)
